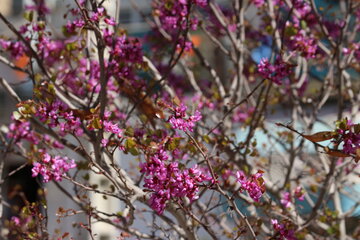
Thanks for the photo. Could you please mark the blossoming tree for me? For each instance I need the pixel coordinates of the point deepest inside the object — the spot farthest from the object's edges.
(194, 125)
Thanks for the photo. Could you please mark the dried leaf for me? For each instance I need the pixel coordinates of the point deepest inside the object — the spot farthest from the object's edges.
(177, 101)
(320, 136)
(335, 153)
(146, 106)
(65, 235)
(357, 128)
(82, 114)
(357, 152)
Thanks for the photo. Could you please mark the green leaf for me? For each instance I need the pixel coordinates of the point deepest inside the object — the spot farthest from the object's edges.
(342, 124)
(129, 132)
(16, 115)
(290, 31)
(86, 177)
(96, 123)
(134, 151)
(172, 144)
(129, 143)
(206, 138)
(303, 24)
(29, 15)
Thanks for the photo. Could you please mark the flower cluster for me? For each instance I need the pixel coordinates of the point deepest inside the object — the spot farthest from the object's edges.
(112, 128)
(355, 48)
(283, 229)
(95, 16)
(178, 120)
(49, 112)
(302, 7)
(174, 15)
(72, 26)
(15, 220)
(307, 46)
(242, 114)
(349, 136)
(20, 129)
(123, 48)
(357, 53)
(52, 168)
(38, 6)
(334, 27)
(168, 181)
(82, 79)
(258, 3)
(255, 185)
(50, 49)
(286, 197)
(299, 193)
(277, 72)
(56, 114)
(17, 49)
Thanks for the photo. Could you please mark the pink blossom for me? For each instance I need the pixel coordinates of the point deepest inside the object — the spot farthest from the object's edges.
(277, 72)
(112, 128)
(56, 114)
(174, 16)
(284, 229)
(20, 130)
(110, 21)
(17, 49)
(356, 47)
(299, 193)
(179, 121)
(258, 3)
(255, 186)
(71, 27)
(348, 136)
(15, 220)
(307, 46)
(96, 15)
(286, 199)
(242, 114)
(104, 142)
(38, 6)
(302, 7)
(168, 181)
(52, 168)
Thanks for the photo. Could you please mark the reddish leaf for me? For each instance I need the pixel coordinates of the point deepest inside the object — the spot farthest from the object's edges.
(357, 152)
(320, 136)
(125, 234)
(335, 153)
(65, 235)
(177, 101)
(357, 128)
